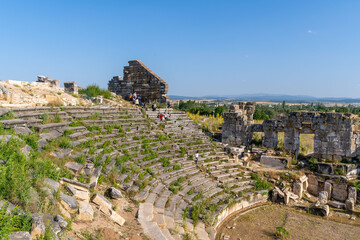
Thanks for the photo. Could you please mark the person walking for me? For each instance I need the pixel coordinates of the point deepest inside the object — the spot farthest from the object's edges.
(197, 157)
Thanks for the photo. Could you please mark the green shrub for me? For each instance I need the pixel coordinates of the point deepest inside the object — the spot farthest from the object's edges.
(80, 159)
(64, 142)
(8, 116)
(68, 132)
(176, 167)
(259, 183)
(14, 182)
(13, 221)
(76, 124)
(48, 235)
(95, 91)
(45, 118)
(281, 233)
(57, 119)
(165, 162)
(313, 164)
(31, 140)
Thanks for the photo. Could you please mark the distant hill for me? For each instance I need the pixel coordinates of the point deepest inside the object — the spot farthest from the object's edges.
(272, 98)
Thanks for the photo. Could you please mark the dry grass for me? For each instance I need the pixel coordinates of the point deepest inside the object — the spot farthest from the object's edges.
(207, 123)
(261, 223)
(306, 142)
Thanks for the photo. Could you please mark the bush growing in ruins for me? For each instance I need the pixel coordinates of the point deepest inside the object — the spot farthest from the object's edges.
(208, 123)
(259, 183)
(14, 183)
(95, 91)
(12, 221)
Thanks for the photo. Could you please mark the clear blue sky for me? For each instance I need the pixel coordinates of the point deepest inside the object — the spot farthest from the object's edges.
(199, 47)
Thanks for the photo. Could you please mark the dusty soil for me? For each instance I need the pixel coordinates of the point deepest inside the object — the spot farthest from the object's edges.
(102, 228)
(261, 223)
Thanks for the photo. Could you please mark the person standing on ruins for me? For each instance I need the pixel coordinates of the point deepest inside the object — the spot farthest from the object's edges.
(154, 107)
(197, 157)
(135, 95)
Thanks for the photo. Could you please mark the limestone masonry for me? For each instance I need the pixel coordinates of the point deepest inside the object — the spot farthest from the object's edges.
(140, 79)
(337, 135)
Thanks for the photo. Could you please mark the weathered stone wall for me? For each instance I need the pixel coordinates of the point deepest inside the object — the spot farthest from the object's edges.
(71, 87)
(337, 190)
(237, 127)
(140, 79)
(337, 135)
(52, 83)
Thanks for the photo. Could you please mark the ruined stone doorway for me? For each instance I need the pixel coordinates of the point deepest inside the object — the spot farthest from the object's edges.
(281, 145)
(306, 143)
(257, 138)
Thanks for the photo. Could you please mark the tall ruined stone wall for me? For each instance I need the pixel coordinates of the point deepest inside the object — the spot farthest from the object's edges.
(336, 135)
(140, 79)
(236, 129)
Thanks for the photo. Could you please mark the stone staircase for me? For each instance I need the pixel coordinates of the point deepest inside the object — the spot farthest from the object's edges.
(153, 162)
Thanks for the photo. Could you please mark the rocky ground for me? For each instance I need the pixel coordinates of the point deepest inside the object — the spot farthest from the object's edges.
(25, 94)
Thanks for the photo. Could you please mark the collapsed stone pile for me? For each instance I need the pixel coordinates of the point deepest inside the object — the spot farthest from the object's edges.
(153, 163)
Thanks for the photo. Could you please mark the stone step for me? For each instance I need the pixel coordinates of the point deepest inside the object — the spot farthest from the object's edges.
(19, 123)
(51, 126)
(78, 135)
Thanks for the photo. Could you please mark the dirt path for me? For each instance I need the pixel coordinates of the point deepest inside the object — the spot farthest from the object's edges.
(262, 222)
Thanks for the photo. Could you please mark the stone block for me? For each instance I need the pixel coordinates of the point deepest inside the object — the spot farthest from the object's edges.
(349, 204)
(298, 189)
(62, 222)
(101, 201)
(86, 212)
(114, 193)
(352, 193)
(69, 203)
(53, 185)
(275, 162)
(95, 176)
(113, 216)
(38, 226)
(74, 166)
(20, 236)
(328, 189)
(339, 191)
(336, 204)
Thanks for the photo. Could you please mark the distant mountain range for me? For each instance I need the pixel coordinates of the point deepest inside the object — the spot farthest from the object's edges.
(272, 98)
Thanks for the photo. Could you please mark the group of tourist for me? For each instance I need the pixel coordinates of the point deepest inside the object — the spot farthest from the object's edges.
(164, 116)
(135, 99)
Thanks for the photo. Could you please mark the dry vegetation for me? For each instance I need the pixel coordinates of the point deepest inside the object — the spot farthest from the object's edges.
(207, 122)
(262, 223)
(306, 142)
